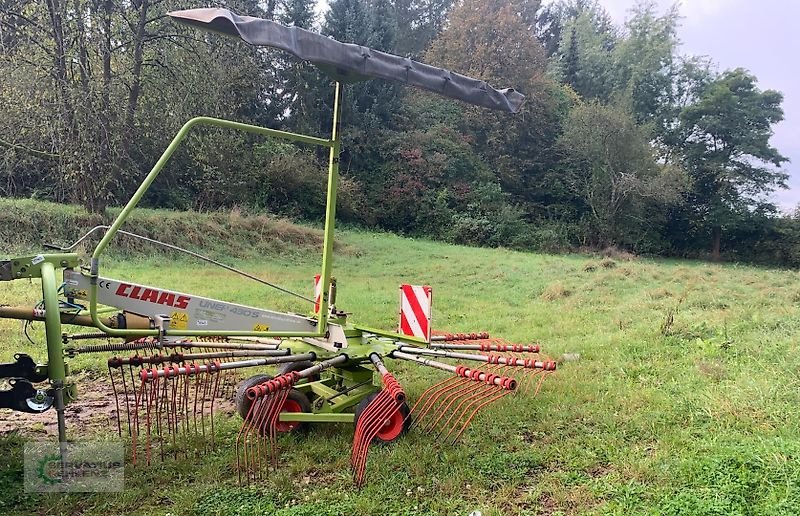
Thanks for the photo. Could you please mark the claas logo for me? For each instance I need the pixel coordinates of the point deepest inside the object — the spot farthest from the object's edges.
(152, 295)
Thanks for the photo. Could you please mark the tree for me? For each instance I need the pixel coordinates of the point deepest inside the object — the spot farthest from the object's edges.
(492, 40)
(421, 21)
(98, 65)
(299, 13)
(727, 151)
(643, 63)
(347, 21)
(581, 39)
(611, 167)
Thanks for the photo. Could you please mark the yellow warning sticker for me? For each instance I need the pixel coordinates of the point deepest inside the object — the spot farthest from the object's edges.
(178, 320)
(260, 327)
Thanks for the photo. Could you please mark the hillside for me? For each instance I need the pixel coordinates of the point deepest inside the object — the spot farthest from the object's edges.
(683, 399)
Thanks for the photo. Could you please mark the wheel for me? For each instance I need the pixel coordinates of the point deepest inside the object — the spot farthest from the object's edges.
(243, 403)
(288, 367)
(393, 428)
(296, 401)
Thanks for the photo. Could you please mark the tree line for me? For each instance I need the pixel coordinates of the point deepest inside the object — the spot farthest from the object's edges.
(622, 141)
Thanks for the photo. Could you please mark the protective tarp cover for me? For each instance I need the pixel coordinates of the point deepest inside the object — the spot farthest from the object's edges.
(346, 62)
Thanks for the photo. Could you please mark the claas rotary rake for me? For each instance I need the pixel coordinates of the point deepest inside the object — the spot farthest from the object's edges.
(177, 355)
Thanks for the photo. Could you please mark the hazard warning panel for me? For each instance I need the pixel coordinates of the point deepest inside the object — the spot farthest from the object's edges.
(317, 292)
(415, 311)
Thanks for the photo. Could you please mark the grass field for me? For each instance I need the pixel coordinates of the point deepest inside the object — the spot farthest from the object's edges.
(684, 399)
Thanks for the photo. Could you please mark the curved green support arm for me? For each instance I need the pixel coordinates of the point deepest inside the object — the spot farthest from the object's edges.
(56, 370)
(332, 143)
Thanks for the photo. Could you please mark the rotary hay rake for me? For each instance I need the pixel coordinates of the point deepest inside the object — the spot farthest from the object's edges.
(177, 356)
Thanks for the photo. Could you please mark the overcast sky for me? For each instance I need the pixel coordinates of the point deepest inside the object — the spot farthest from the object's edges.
(762, 36)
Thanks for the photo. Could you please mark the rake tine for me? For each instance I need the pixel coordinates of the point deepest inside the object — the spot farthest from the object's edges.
(482, 394)
(161, 415)
(248, 426)
(255, 435)
(152, 402)
(479, 407)
(133, 386)
(215, 372)
(258, 438)
(489, 380)
(185, 402)
(268, 399)
(382, 408)
(367, 415)
(273, 437)
(485, 382)
(114, 388)
(240, 442)
(205, 384)
(431, 395)
(544, 375)
(253, 450)
(474, 389)
(127, 398)
(370, 422)
(173, 409)
(466, 389)
(178, 392)
(134, 435)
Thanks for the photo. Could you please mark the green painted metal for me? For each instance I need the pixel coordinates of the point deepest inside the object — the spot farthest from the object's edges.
(334, 144)
(336, 393)
(308, 417)
(390, 334)
(31, 266)
(104, 310)
(330, 210)
(56, 369)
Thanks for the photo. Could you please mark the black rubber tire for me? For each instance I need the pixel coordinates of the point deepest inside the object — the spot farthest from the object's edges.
(288, 367)
(241, 400)
(404, 410)
(243, 403)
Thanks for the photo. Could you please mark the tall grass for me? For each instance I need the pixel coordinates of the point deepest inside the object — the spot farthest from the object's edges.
(26, 225)
(698, 416)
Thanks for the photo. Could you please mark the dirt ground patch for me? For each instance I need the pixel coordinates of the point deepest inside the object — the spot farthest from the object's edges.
(95, 411)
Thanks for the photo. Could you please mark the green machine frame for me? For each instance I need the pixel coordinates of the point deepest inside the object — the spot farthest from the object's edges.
(348, 375)
(340, 387)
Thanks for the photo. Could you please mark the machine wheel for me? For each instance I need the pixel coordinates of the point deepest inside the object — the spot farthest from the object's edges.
(296, 401)
(243, 404)
(288, 367)
(393, 428)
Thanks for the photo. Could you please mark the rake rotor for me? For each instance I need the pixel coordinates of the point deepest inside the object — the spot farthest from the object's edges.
(383, 411)
(169, 398)
(256, 439)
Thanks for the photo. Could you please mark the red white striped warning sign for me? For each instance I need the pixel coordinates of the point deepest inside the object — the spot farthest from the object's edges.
(415, 311)
(317, 292)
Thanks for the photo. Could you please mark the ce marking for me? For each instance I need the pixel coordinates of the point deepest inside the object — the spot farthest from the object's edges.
(104, 284)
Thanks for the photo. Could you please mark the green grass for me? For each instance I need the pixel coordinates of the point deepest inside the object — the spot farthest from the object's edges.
(684, 400)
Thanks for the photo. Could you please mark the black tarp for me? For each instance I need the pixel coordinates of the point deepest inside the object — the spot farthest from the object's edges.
(346, 62)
